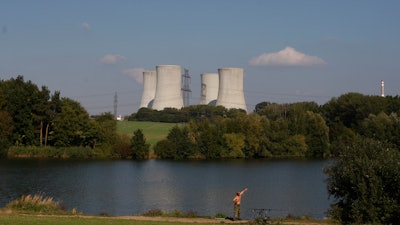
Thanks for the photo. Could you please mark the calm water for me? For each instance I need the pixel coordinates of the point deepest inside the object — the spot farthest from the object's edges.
(129, 187)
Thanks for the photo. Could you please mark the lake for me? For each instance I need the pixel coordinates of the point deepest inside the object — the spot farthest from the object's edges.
(120, 187)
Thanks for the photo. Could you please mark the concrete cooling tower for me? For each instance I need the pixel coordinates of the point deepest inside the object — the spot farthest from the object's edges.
(209, 88)
(149, 89)
(230, 93)
(168, 89)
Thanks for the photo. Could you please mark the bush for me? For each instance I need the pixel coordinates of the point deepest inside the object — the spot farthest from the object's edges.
(39, 204)
(365, 182)
(154, 212)
(36, 203)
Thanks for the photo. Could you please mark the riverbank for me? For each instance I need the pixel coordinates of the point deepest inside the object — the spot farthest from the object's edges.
(15, 218)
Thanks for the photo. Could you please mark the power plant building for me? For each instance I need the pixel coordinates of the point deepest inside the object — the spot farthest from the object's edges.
(163, 88)
(149, 89)
(209, 88)
(230, 91)
(168, 89)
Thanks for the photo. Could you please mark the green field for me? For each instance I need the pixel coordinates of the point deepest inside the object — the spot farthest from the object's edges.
(152, 131)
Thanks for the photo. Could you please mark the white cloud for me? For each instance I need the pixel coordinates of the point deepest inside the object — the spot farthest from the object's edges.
(85, 26)
(112, 59)
(286, 57)
(135, 73)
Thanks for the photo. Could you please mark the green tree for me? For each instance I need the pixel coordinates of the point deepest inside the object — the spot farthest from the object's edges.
(20, 99)
(72, 126)
(165, 149)
(6, 127)
(183, 145)
(365, 183)
(277, 134)
(250, 127)
(140, 149)
(52, 110)
(122, 147)
(382, 127)
(41, 111)
(235, 145)
(317, 135)
(351, 109)
(6, 130)
(294, 146)
(208, 138)
(341, 137)
(106, 127)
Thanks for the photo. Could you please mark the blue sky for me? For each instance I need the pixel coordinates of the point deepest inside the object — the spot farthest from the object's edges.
(291, 51)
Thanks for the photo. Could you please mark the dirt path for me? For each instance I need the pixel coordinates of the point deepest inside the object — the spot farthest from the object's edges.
(179, 219)
(216, 221)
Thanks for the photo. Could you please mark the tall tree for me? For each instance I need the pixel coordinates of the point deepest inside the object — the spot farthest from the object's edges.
(6, 127)
(20, 99)
(72, 126)
(54, 108)
(140, 149)
(317, 135)
(208, 138)
(41, 110)
(180, 138)
(107, 129)
(6, 130)
(235, 144)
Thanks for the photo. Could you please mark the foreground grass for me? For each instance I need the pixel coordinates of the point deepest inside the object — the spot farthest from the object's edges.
(21, 219)
(43, 210)
(36, 219)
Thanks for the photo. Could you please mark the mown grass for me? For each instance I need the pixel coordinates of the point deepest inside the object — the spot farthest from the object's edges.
(25, 219)
(21, 219)
(153, 131)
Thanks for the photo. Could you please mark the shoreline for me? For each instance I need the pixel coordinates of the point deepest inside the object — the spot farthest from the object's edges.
(183, 220)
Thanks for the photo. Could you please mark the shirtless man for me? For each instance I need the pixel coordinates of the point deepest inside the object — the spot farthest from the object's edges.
(236, 204)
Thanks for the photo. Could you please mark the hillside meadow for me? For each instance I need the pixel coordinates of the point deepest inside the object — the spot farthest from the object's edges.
(153, 131)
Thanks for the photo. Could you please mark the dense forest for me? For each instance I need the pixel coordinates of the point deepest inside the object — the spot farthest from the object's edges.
(303, 129)
(32, 117)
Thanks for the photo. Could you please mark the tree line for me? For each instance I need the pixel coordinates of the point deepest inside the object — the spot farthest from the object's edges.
(32, 116)
(302, 129)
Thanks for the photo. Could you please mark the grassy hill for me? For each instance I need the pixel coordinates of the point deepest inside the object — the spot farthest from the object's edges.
(153, 131)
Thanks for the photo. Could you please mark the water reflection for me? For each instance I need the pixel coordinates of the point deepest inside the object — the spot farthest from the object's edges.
(128, 187)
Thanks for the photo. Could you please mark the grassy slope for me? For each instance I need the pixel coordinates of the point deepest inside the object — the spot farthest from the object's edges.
(153, 131)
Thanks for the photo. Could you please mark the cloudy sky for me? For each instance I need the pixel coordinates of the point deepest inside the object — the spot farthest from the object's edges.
(291, 51)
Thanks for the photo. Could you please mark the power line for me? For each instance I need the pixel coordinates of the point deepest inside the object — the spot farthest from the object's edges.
(115, 104)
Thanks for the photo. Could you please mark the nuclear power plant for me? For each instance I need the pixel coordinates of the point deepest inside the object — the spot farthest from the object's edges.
(163, 88)
(149, 89)
(168, 87)
(209, 88)
(230, 91)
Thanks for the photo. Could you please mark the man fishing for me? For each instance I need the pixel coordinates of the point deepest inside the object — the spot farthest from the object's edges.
(236, 204)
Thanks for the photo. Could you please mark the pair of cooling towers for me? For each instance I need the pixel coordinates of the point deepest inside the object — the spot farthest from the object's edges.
(163, 88)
